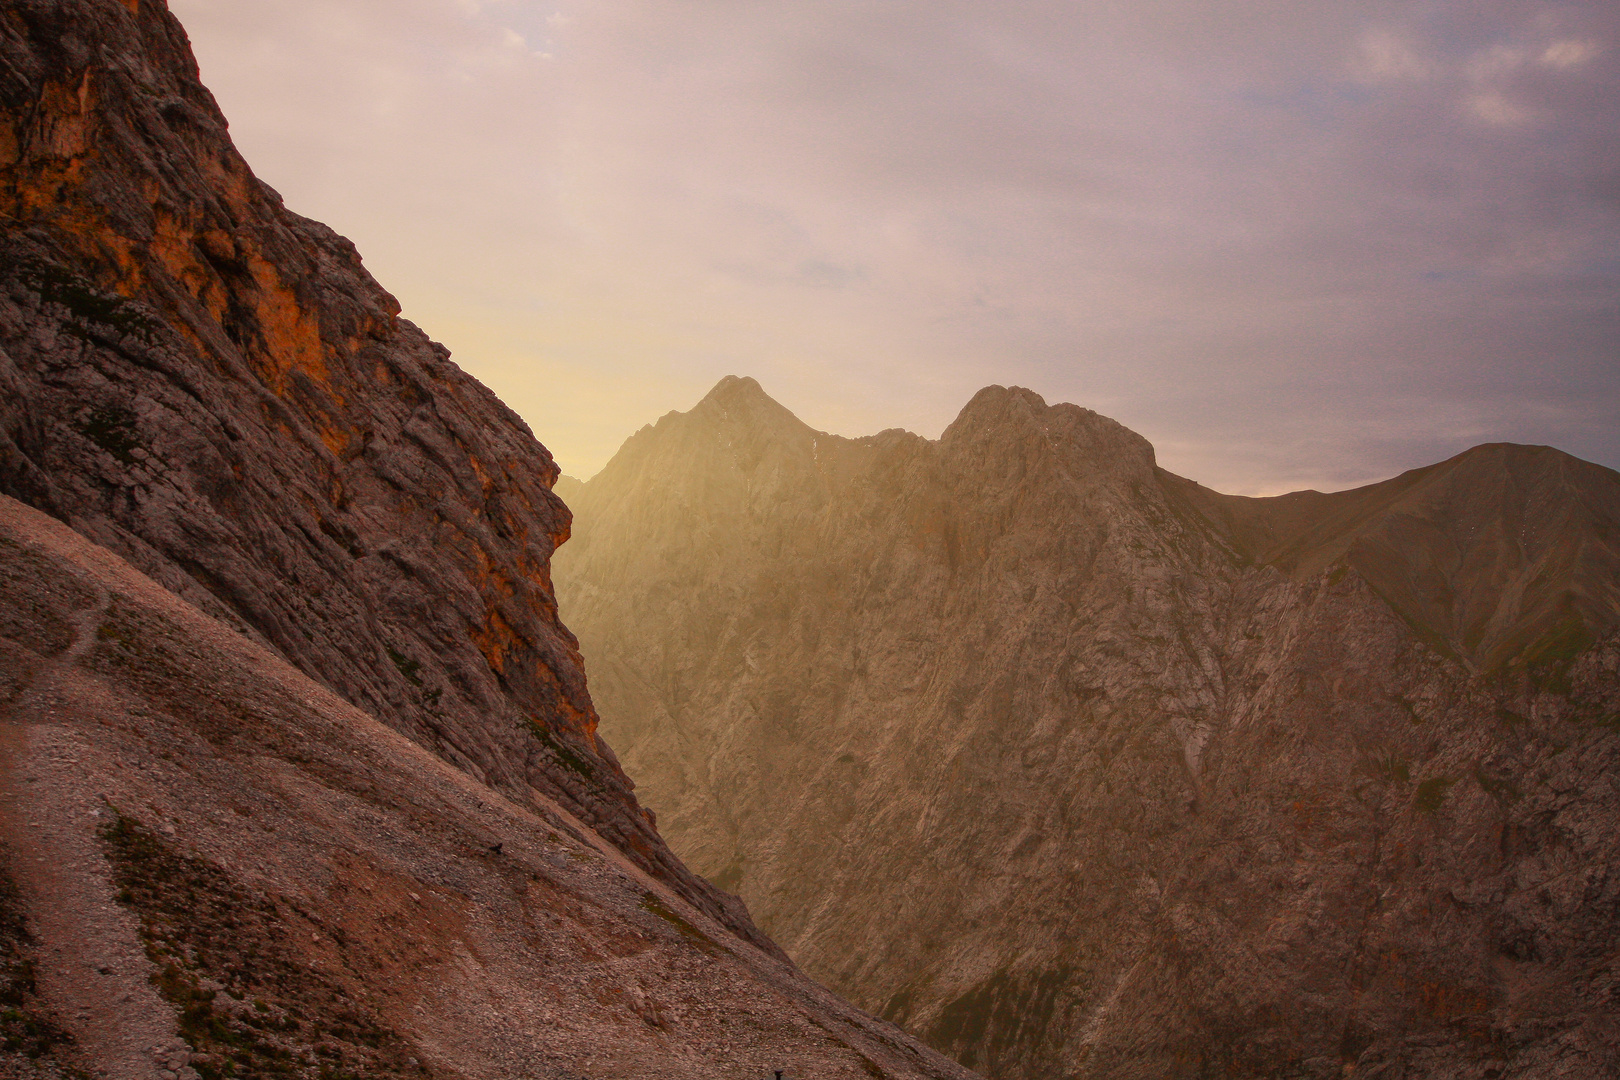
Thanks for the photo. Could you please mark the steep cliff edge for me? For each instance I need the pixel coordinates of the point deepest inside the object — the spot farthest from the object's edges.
(214, 388)
(1077, 769)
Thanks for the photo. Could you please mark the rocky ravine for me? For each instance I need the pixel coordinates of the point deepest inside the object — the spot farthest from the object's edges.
(292, 518)
(1078, 769)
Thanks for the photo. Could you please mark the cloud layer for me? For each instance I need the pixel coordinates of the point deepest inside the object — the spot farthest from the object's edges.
(1294, 243)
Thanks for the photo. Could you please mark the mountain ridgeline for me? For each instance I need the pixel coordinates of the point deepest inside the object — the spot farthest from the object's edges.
(299, 774)
(1076, 768)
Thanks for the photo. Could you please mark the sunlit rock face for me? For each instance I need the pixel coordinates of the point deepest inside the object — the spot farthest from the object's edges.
(1078, 769)
(214, 388)
(299, 775)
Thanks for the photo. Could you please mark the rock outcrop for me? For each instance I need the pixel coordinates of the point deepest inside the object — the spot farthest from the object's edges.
(1078, 769)
(214, 388)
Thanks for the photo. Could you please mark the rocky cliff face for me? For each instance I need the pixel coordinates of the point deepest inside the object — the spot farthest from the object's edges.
(215, 388)
(211, 866)
(299, 775)
(1078, 769)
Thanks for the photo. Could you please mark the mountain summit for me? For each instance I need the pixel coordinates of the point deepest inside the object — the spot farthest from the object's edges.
(1076, 768)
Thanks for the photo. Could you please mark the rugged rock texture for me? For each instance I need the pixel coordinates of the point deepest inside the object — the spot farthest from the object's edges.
(1080, 770)
(319, 795)
(214, 388)
(211, 866)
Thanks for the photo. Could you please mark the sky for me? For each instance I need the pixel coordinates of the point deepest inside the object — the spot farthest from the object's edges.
(1294, 243)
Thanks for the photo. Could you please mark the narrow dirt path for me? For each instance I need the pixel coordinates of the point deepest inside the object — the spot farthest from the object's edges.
(91, 967)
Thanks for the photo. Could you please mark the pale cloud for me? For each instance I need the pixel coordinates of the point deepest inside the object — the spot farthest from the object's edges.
(1384, 55)
(1569, 53)
(1495, 107)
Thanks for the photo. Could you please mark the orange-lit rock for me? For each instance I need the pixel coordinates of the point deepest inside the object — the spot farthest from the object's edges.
(216, 389)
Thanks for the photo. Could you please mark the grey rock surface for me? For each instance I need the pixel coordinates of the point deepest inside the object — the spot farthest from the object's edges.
(1077, 769)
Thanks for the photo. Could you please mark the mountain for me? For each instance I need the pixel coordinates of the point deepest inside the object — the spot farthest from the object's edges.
(215, 389)
(1076, 768)
(298, 766)
(1503, 554)
(216, 866)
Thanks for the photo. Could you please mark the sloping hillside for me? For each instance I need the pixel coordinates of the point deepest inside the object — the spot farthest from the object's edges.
(321, 794)
(215, 866)
(214, 388)
(1504, 554)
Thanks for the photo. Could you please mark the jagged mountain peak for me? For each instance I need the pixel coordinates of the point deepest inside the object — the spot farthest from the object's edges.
(1077, 768)
(740, 400)
(759, 430)
(735, 389)
(1078, 441)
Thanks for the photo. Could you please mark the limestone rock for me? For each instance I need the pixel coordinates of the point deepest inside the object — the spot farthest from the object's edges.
(1077, 769)
(214, 388)
(213, 866)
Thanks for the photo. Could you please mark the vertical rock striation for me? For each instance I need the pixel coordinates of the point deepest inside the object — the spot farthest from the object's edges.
(1079, 769)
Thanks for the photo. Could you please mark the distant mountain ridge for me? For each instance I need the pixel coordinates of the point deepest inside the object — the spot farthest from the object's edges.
(1505, 553)
(1077, 768)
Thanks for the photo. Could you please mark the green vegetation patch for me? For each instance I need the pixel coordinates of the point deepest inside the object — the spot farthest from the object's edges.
(1431, 794)
(653, 905)
(224, 960)
(87, 303)
(407, 667)
(1001, 1021)
(1548, 660)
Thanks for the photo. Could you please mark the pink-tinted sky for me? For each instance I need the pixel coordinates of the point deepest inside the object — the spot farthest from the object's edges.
(1293, 242)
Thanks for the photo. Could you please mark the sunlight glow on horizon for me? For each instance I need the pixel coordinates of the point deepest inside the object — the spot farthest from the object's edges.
(1301, 245)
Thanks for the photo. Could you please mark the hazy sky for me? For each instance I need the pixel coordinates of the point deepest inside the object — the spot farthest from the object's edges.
(1293, 242)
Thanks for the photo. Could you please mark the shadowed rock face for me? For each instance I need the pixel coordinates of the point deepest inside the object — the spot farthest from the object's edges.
(1080, 770)
(215, 388)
